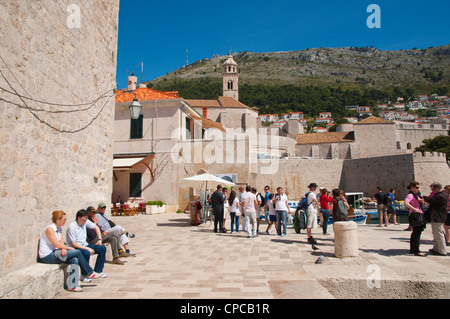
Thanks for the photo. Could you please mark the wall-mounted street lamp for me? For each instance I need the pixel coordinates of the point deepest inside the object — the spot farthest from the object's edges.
(135, 108)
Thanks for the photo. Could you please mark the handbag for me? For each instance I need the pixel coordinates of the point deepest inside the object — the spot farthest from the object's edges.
(416, 219)
(58, 255)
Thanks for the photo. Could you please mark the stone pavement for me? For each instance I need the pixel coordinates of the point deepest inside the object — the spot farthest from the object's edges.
(175, 260)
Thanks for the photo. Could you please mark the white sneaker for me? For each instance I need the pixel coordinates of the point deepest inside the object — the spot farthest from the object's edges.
(86, 279)
(76, 289)
(95, 275)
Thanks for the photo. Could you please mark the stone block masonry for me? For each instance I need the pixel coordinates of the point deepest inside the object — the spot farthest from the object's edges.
(54, 156)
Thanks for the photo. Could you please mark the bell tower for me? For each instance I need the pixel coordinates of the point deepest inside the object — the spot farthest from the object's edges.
(230, 78)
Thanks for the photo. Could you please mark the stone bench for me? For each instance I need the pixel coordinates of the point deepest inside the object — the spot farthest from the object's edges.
(39, 280)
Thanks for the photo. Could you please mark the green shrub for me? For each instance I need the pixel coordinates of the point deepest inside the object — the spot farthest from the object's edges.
(156, 202)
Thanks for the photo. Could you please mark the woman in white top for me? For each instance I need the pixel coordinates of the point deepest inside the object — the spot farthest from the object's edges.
(53, 250)
(233, 204)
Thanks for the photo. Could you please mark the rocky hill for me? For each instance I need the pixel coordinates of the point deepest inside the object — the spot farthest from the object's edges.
(348, 66)
(318, 80)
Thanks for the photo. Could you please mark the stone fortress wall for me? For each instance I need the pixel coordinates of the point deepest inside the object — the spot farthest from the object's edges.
(53, 157)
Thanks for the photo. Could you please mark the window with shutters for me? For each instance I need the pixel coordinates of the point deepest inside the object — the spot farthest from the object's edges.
(136, 127)
(135, 184)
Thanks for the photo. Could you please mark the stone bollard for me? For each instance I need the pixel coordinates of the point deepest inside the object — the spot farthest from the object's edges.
(345, 239)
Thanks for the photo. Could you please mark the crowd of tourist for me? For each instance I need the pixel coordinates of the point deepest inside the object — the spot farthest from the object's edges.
(274, 208)
(85, 236)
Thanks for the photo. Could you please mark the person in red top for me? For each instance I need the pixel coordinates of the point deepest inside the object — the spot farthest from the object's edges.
(324, 199)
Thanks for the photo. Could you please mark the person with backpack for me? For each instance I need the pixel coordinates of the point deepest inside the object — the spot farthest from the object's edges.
(338, 206)
(309, 204)
(381, 199)
(391, 208)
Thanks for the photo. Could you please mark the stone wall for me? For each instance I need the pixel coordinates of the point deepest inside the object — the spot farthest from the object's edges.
(365, 174)
(295, 174)
(326, 150)
(431, 167)
(411, 135)
(54, 157)
(376, 139)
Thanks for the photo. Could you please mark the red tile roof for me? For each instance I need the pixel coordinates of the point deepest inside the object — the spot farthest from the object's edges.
(145, 94)
(203, 103)
(329, 137)
(221, 102)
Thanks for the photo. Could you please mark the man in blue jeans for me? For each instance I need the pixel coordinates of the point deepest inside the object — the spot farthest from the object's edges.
(76, 237)
(281, 209)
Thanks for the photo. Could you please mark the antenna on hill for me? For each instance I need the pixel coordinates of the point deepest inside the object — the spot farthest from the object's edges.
(187, 57)
(142, 71)
(217, 58)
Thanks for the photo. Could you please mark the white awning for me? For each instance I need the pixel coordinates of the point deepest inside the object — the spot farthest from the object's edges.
(126, 163)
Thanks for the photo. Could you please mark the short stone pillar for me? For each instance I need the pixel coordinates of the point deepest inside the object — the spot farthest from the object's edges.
(345, 239)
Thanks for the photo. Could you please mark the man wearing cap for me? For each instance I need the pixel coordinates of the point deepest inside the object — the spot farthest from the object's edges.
(311, 212)
(111, 238)
(108, 226)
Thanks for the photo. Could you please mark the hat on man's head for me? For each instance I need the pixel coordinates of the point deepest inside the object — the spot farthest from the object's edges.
(101, 205)
(91, 209)
(312, 185)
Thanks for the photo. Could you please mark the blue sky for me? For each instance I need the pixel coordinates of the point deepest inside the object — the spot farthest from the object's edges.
(158, 33)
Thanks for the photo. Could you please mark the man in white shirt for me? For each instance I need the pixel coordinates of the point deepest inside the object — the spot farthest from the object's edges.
(76, 238)
(281, 209)
(249, 209)
(311, 212)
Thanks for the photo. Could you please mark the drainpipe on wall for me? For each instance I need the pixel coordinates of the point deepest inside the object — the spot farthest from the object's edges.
(182, 107)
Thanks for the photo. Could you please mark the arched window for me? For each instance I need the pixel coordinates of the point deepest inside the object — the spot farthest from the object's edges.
(230, 85)
(408, 146)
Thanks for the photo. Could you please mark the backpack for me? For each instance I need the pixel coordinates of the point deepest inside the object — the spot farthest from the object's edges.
(263, 201)
(299, 220)
(387, 200)
(304, 202)
(341, 211)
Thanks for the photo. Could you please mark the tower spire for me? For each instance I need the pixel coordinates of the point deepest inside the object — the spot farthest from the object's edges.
(230, 78)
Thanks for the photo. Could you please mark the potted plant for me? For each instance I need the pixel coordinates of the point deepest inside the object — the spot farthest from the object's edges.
(151, 208)
(161, 207)
(154, 207)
